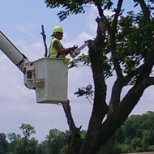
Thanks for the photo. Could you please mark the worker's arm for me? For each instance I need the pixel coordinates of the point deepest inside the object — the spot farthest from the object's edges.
(60, 49)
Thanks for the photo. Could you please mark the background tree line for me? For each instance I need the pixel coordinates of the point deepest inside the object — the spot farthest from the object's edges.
(135, 135)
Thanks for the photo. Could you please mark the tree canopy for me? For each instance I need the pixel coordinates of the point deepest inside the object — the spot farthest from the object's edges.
(123, 47)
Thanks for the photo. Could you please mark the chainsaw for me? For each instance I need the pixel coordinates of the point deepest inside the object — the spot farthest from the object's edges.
(77, 51)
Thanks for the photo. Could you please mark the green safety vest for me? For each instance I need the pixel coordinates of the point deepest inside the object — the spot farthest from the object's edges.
(53, 52)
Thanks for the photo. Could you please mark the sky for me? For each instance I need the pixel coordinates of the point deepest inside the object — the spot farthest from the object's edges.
(21, 22)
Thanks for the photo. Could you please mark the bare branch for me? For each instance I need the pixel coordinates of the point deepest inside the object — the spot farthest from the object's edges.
(44, 40)
(69, 117)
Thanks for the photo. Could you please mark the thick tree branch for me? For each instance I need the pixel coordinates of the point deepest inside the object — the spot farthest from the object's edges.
(145, 9)
(100, 108)
(112, 33)
(116, 91)
(112, 123)
(147, 66)
(150, 81)
(114, 101)
(115, 95)
(118, 84)
(99, 7)
(117, 87)
(101, 29)
(116, 16)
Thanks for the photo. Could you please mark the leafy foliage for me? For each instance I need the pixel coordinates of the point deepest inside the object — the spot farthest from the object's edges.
(75, 6)
(82, 59)
(56, 140)
(3, 143)
(136, 134)
(132, 41)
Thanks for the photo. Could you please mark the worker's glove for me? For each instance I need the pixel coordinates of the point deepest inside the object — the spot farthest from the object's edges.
(73, 48)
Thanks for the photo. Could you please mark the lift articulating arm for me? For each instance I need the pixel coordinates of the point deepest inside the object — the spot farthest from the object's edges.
(12, 52)
(19, 59)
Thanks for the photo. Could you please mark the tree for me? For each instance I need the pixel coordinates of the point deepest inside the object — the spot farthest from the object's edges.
(123, 47)
(26, 145)
(13, 140)
(27, 129)
(55, 140)
(3, 143)
(30, 147)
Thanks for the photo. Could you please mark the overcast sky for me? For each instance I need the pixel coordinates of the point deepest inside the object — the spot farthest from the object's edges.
(21, 22)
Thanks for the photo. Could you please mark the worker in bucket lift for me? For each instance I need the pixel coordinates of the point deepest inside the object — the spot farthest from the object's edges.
(56, 48)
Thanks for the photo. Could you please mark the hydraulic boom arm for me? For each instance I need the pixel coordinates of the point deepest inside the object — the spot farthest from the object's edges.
(12, 52)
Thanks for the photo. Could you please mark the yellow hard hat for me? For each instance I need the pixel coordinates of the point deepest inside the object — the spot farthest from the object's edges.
(58, 29)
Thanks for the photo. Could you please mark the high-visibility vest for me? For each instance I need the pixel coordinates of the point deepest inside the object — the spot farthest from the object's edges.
(53, 52)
